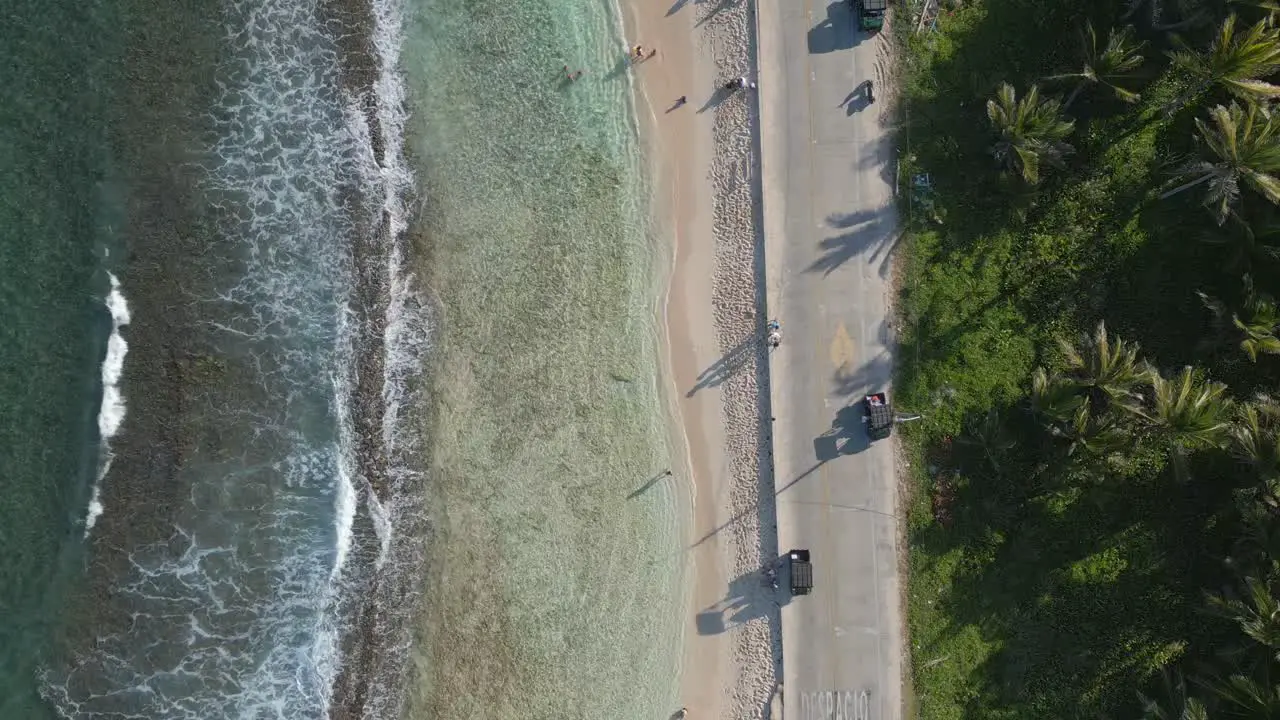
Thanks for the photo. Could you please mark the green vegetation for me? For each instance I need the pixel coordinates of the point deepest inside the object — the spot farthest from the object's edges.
(1090, 331)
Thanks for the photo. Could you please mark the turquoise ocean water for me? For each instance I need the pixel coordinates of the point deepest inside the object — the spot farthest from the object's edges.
(330, 366)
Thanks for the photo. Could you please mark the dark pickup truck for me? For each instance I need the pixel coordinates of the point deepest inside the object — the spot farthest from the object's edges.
(801, 572)
(871, 13)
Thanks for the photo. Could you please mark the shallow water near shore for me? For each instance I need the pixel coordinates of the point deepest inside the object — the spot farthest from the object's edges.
(557, 556)
(242, 496)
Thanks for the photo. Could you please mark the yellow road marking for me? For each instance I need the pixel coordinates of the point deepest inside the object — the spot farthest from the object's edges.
(842, 348)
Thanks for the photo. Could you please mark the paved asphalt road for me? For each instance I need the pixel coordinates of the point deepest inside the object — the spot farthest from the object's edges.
(830, 228)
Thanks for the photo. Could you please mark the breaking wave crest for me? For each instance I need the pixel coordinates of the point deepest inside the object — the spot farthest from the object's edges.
(112, 411)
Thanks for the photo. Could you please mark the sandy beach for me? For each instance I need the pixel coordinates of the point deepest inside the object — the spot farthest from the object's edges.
(706, 202)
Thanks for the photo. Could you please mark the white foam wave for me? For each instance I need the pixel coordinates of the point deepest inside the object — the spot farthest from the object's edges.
(254, 555)
(112, 411)
(397, 517)
(407, 330)
(406, 327)
(344, 516)
(381, 525)
(259, 578)
(345, 497)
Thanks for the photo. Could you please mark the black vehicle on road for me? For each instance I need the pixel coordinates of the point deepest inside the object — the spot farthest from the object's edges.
(801, 572)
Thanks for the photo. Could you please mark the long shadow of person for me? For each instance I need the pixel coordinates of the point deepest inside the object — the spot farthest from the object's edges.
(727, 366)
(749, 597)
(721, 94)
(858, 99)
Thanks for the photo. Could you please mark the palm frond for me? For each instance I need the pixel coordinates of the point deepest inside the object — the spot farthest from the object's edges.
(1191, 412)
(1244, 147)
(1248, 696)
(1105, 364)
(1237, 60)
(1258, 617)
(1030, 132)
(1174, 702)
(1054, 397)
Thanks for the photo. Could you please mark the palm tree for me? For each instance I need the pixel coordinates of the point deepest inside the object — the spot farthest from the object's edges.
(1271, 6)
(1190, 413)
(1097, 435)
(1249, 698)
(1250, 692)
(1236, 61)
(1245, 243)
(1106, 65)
(1256, 437)
(1244, 147)
(990, 435)
(1255, 326)
(1107, 368)
(1174, 703)
(1258, 325)
(1258, 618)
(1031, 132)
(1054, 397)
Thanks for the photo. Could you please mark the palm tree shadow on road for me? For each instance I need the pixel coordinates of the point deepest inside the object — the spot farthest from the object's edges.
(870, 232)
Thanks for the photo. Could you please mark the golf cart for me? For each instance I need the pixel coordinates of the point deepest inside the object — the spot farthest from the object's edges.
(871, 13)
(801, 572)
(878, 415)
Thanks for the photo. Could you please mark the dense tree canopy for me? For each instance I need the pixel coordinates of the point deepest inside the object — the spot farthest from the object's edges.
(1090, 330)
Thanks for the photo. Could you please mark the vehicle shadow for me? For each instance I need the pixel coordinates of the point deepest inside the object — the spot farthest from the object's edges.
(846, 436)
(836, 32)
(749, 597)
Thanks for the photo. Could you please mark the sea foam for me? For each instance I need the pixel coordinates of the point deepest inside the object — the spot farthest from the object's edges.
(112, 411)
